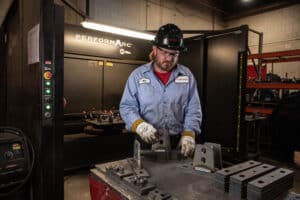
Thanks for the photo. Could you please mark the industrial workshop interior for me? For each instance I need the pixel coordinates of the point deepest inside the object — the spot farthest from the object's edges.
(149, 99)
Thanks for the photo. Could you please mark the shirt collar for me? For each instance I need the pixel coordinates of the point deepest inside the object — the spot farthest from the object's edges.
(147, 67)
(177, 71)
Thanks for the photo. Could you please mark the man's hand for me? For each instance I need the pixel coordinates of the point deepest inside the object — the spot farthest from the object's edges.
(187, 143)
(147, 132)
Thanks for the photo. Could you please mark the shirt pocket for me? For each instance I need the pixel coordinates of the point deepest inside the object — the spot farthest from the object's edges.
(146, 94)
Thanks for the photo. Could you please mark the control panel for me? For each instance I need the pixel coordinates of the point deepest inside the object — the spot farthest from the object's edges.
(48, 93)
(14, 159)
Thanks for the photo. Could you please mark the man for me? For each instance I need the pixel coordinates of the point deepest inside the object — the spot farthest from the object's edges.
(162, 95)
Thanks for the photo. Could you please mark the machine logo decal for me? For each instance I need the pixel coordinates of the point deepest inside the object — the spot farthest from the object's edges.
(123, 51)
(101, 40)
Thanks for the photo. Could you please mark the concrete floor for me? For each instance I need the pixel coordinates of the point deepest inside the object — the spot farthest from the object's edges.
(77, 184)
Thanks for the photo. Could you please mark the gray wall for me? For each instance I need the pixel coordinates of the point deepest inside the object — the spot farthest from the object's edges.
(281, 30)
(148, 14)
(281, 27)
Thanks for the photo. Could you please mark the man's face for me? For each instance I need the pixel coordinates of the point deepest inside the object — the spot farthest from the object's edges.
(164, 59)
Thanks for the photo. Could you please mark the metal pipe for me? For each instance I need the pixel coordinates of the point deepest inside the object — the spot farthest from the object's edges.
(254, 31)
(260, 49)
(87, 8)
(253, 62)
(4, 7)
(75, 8)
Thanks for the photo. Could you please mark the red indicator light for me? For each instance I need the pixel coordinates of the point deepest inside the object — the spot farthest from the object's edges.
(48, 75)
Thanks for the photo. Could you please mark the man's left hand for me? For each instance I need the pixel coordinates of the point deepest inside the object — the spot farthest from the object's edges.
(187, 144)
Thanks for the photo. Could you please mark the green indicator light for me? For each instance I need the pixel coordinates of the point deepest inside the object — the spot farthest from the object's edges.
(48, 83)
(48, 91)
(48, 107)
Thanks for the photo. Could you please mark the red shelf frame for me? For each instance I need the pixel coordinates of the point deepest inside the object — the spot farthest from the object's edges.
(262, 110)
(276, 57)
(273, 85)
(272, 57)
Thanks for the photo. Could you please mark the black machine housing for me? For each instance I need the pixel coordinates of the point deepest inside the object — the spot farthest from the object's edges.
(14, 157)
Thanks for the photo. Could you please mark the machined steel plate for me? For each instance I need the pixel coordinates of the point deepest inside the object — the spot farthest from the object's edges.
(270, 179)
(226, 172)
(271, 185)
(238, 182)
(222, 176)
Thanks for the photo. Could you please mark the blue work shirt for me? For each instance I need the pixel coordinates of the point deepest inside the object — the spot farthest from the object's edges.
(174, 106)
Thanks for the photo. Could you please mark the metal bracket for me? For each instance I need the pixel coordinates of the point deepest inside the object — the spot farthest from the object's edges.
(208, 156)
(137, 153)
(163, 144)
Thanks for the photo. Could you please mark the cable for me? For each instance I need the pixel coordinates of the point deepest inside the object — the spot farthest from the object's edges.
(18, 132)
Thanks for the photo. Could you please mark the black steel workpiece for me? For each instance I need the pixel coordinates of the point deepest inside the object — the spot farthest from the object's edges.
(118, 171)
(142, 173)
(129, 176)
(271, 185)
(238, 182)
(222, 176)
(139, 185)
(158, 195)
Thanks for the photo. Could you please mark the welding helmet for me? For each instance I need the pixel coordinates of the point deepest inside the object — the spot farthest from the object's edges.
(169, 36)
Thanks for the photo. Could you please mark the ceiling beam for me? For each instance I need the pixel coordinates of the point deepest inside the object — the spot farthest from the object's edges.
(4, 7)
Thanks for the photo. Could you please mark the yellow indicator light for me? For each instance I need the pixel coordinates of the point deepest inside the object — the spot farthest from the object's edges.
(16, 146)
(100, 63)
(109, 64)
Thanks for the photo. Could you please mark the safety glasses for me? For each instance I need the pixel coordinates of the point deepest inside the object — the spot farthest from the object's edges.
(166, 53)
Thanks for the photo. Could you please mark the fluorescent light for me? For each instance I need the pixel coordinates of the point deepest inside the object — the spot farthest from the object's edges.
(116, 30)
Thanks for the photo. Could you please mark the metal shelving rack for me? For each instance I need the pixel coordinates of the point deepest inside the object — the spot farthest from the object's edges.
(259, 135)
(271, 58)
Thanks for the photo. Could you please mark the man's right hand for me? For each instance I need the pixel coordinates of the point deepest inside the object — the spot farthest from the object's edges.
(147, 132)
